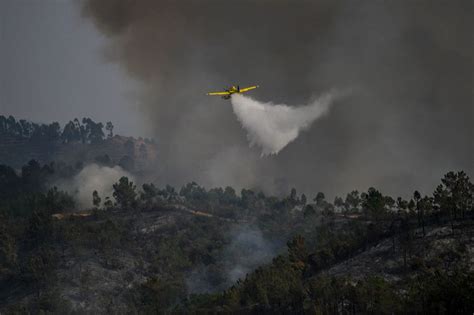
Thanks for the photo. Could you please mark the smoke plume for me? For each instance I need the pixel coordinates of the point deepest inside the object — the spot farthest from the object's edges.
(411, 62)
(247, 249)
(90, 178)
(271, 126)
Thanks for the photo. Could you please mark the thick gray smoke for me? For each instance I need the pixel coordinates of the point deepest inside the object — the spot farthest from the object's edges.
(410, 62)
(90, 178)
(272, 127)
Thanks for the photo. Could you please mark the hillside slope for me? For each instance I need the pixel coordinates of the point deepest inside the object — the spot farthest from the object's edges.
(155, 250)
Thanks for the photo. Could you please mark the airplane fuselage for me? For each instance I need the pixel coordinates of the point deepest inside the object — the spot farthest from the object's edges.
(232, 90)
(227, 93)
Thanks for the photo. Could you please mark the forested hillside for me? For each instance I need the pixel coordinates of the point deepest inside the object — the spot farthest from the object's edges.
(78, 142)
(154, 250)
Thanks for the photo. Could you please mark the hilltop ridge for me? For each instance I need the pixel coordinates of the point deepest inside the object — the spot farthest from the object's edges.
(77, 143)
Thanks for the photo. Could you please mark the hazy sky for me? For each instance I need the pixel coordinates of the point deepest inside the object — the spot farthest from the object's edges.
(408, 120)
(53, 69)
(145, 65)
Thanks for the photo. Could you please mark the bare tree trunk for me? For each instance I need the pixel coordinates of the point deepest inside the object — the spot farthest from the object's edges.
(405, 258)
(423, 224)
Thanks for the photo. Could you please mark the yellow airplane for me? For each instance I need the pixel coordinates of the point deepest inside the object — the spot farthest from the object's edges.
(226, 94)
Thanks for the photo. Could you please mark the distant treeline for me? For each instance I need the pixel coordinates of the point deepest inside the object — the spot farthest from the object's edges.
(24, 192)
(85, 131)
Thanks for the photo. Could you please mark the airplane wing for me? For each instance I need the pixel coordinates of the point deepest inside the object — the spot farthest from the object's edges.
(248, 88)
(218, 93)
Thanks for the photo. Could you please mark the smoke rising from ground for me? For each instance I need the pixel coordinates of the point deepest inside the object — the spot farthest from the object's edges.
(411, 62)
(90, 178)
(247, 250)
(271, 126)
